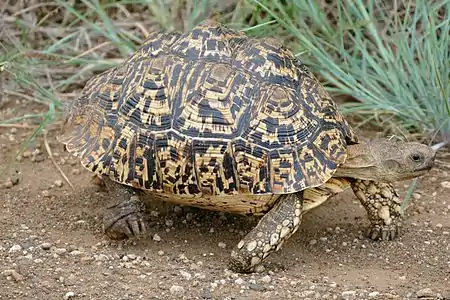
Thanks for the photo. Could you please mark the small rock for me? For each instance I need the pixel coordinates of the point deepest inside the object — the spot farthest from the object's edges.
(6, 185)
(439, 225)
(313, 242)
(58, 183)
(373, 294)
(101, 257)
(156, 237)
(15, 248)
(416, 196)
(69, 295)
(445, 184)
(259, 268)
(425, 293)
(45, 193)
(60, 251)
(266, 279)
(46, 246)
(186, 275)
(176, 290)
(239, 281)
(222, 245)
(257, 287)
(178, 210)
(160, 253)
(14, 274)
(348, 294)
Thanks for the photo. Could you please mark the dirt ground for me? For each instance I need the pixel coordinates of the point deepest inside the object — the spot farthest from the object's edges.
(52, 247)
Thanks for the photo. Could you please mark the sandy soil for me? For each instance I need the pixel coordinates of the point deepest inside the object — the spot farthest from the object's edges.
(52, 247)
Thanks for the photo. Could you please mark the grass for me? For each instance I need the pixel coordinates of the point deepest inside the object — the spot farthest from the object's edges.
(393, 63)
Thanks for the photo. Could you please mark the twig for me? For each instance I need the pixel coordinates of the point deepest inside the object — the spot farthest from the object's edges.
(26, 126)
(50, 155)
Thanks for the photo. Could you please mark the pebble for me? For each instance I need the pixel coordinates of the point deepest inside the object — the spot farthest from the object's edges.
(46, 246)
(156, 237)
(176, 290)
(222, 245)
(7, 185)
(313, 242)
(257, 287)
(239, 281)
(445, 184)
(266, 279)
(14, 275)
(373, 294)
(425, 293)
(15, 248)
(60, 251)
(101, 257)
(69, 295)
(260, 268)
(348, 294)
(186, 275)
(58, 183)
(160, 253)
(178, 210)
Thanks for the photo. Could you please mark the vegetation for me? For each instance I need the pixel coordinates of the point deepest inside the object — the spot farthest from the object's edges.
(390, 60)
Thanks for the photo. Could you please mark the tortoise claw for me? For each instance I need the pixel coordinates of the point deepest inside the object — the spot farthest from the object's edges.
(384, 233)
(124, 220)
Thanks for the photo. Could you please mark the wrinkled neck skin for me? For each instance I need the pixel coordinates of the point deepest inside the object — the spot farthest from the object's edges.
(386, 161)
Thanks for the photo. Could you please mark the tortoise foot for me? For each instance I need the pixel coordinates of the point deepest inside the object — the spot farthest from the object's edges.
(124, 220)
(384, 233)
(268, 236)
(383, 208)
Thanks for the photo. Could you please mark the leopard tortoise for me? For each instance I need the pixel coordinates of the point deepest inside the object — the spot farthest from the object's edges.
(214, 119)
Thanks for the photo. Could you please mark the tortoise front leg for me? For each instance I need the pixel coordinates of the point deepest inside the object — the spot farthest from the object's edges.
(383, 207)
(123, 218)
(272, 231)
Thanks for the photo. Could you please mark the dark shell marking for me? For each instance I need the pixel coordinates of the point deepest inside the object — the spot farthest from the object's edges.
(209, 113)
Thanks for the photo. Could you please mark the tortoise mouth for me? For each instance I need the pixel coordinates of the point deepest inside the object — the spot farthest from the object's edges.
(426, 166)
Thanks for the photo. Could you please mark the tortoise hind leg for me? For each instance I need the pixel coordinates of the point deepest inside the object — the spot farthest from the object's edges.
(272, 231)
(123, 218)
(383, 207)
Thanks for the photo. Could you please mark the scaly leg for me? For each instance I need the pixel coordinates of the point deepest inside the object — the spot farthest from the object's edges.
(273, 229)
(124, 217)
(383, 208)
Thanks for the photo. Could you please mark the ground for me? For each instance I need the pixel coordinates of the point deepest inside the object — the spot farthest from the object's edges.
(52, 247)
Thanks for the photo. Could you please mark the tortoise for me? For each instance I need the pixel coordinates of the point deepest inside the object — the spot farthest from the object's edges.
(215, 119)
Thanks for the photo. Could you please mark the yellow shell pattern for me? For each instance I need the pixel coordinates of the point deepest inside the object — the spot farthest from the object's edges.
(204, 116)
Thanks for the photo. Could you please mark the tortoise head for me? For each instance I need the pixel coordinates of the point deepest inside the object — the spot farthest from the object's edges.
(387, 160)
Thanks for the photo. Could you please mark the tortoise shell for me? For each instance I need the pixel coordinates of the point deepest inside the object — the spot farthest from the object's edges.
(208, 113)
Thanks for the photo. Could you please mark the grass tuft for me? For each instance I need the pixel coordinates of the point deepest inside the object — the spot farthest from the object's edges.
(394, 59)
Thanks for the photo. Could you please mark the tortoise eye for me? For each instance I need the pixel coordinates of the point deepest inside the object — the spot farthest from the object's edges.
(416, 157)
